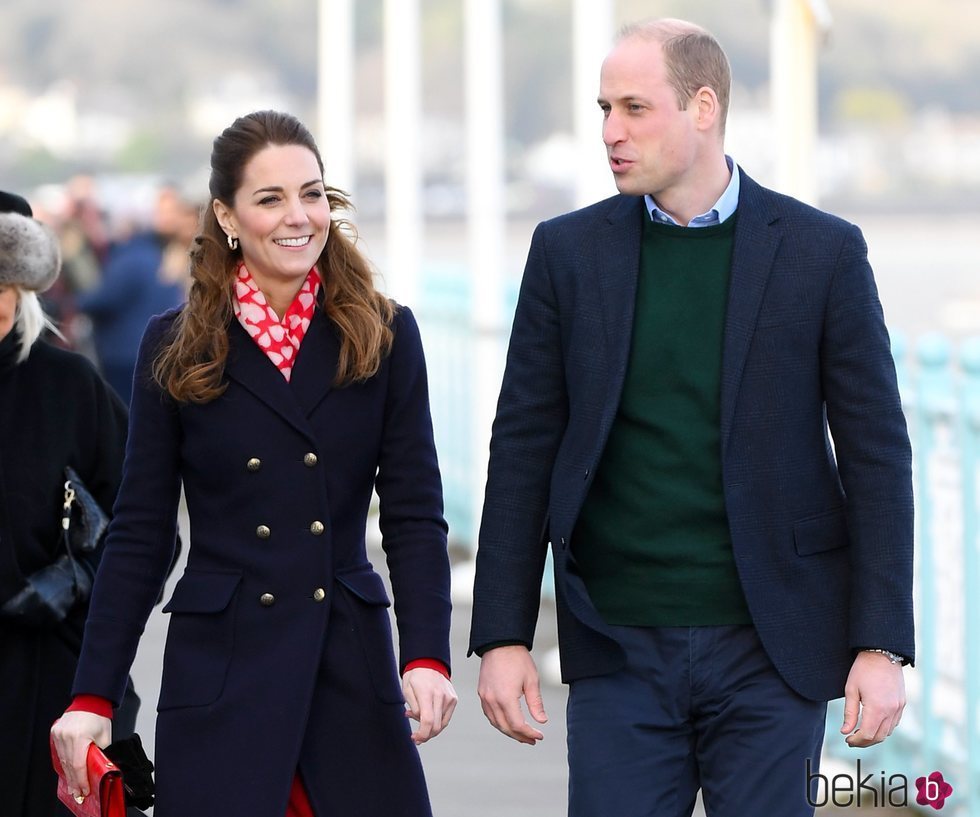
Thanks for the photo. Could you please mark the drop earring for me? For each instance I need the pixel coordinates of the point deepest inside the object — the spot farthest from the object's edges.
(232, 242)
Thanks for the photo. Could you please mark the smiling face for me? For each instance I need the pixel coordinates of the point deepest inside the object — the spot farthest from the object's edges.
(281, 217)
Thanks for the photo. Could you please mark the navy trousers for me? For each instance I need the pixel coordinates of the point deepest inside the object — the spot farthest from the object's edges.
(694, 708)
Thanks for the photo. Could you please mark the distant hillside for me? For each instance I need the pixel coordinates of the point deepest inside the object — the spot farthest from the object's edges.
(929, 53)
(882, 61)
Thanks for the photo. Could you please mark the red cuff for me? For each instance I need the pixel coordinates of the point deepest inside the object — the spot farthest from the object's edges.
(428, 663)
(95, 704)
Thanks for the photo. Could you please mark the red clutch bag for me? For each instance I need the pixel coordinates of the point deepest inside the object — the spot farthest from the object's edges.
(105, 781)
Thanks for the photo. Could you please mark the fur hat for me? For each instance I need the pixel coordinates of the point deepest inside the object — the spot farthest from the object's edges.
(30, 257)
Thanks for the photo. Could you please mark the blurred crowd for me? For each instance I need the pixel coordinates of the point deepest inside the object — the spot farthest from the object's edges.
(125, 258)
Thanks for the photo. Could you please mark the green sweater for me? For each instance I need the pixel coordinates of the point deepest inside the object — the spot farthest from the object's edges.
(652, 541)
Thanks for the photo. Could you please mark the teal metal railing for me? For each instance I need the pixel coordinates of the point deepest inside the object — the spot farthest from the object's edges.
(940, 729)
(445, 324)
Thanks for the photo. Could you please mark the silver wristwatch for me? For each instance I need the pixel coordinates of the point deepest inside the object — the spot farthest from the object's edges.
(894, 657)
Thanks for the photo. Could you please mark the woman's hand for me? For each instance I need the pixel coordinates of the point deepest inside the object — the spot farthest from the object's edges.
(430, 700)
(72, 734)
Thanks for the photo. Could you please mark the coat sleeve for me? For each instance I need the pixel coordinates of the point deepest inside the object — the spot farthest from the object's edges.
(140, 543)
(409, 488)
(864, 413)
(532, 414)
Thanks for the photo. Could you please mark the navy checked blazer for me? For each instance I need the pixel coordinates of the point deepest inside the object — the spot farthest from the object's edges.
(816, 460)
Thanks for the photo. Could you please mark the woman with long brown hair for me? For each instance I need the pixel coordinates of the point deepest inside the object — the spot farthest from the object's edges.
(281, 396)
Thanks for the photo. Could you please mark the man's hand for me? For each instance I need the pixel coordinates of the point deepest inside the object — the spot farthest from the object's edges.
(506, 675)
(430, 700)
(875, 688)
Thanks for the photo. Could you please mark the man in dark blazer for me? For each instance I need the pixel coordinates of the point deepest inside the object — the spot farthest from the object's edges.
(700, 414)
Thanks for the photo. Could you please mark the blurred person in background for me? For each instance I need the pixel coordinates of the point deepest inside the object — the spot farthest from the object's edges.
(281, 396)
(132, 289)
(84, 237)
(177, 221)
(680, 356)
(55, 411)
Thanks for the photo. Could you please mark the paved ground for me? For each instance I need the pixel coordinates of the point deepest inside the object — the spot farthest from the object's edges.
(472, 770)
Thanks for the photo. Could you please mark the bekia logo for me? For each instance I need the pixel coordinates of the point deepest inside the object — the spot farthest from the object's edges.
(933, 790)
(874, 789)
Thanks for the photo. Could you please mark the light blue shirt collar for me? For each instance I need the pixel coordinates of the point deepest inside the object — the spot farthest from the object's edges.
(723, 208)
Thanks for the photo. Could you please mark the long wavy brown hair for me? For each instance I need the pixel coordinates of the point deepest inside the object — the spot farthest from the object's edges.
(190, 365)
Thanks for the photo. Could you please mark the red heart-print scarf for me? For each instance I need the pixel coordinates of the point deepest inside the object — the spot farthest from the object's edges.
(280, 340)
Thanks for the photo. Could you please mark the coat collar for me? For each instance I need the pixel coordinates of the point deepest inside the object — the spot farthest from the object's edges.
(312, 377)
(757, 237)
(614, 259)
(617, 261)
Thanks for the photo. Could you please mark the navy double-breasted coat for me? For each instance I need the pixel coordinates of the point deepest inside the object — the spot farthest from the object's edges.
(279, 653)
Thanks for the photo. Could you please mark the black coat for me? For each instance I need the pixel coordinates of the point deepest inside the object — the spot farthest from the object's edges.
(55, 411)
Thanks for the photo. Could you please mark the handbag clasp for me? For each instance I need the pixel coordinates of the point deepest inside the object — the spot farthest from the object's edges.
(66, 512)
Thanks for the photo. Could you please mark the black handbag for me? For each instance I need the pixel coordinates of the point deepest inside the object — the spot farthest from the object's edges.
(137, 770)
(49, 593)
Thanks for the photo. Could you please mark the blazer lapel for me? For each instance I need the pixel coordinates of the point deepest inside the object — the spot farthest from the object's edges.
(316, 363)
(757, 237)
(617, 266)
(249, 366)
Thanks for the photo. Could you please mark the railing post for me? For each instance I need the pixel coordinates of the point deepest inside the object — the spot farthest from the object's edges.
(970, 444)
(335, 93)
(592, 30)
(939, 556)
(404, 221)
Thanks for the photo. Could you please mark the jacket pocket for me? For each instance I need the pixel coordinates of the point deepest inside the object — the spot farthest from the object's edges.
(200, 638)
(367, 603)
(818, 534)
(364, 583)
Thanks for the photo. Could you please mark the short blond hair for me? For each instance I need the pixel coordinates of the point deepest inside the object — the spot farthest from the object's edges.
(694, 59)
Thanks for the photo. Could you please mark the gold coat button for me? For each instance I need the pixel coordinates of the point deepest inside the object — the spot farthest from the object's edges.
(309, 460)
(254, 464)
(319, 594)
(263, 532)
(317, 528)
(267, 599)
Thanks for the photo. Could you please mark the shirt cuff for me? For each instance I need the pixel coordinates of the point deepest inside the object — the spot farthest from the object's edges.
(95, 704)
(428, 663)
